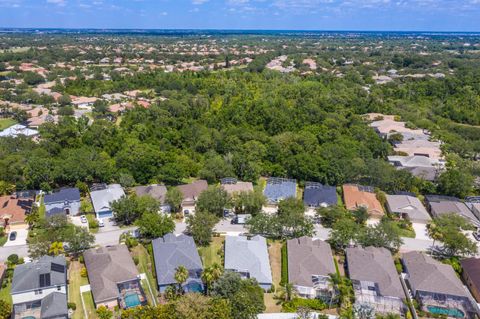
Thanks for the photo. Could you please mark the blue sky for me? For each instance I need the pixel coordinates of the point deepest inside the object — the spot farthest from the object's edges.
(403, 15)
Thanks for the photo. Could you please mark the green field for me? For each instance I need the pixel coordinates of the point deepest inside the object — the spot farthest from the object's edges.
(212, 253)
(6, 123)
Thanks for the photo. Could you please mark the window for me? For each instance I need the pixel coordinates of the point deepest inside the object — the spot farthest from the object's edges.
(38, 292)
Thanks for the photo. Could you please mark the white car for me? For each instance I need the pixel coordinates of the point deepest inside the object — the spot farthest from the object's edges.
(101, 223)
(83, 219)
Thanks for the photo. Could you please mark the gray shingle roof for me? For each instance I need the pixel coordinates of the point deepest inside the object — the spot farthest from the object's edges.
(307, 257)
(375, 265)
(54, 306)
(243, 254)
(65, 194)
(172, 251)
(106, 267)
(280, 188)
(27, 276)
(440, 205)
(316, 194)
(427, 274)
(409, 205)
(158, 192)
(101, 199)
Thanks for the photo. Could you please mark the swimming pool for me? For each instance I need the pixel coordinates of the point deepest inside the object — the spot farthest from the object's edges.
(194, 287)
(132, 300)
(450, 312)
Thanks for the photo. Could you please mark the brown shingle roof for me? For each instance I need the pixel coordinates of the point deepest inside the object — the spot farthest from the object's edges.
(307, 257)
(106, 267)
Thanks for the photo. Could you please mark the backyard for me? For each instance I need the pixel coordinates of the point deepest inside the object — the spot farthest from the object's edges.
(145, 266)
(75, 281)
(212, 253)
(275, 253)
(6, 123)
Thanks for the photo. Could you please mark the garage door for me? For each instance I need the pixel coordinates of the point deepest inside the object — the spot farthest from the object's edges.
(420, 231)
(105, 214)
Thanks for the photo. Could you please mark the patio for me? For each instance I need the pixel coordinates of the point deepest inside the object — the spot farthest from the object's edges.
(131, 294)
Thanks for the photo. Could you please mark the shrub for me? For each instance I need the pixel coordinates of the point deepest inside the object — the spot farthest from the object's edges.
(136, 260)
(92, 222)
(81, 260)
(83, 272)
(13, 259)
(72, 305)
(294, 304)
(284, 279)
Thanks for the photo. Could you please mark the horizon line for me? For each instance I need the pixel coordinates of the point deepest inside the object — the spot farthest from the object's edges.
(234, 29)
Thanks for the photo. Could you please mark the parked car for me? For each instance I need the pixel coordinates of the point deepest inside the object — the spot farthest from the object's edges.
(13, 235)
(83, 219)
(101, 223)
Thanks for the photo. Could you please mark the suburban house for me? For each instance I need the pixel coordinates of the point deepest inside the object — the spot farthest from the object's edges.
(13, 211)
(441, 205)
(319, 195)
(114, 278)
(358, 196)
(84, 102)
(278, 189)
(191, 192)
(158, 192)
(310, 263)
(39, 289)
(66, 201)
(102, 198)
(18, 130)
(436, 287)
(172, 251)
(249, 258)
(420, 166)
(471, 275)
(232, 186)
(408, 207)
(474, 205)
(375, 279)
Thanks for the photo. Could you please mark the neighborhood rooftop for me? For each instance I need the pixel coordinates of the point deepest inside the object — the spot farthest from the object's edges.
(108, 266)
(280, 188)
(248, 255)
(172, 251)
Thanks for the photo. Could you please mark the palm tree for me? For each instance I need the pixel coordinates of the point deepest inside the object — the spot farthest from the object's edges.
(434, 232)
(32, 218)
(211, 274)
(56, 248)
(181, 276)
(286, 293)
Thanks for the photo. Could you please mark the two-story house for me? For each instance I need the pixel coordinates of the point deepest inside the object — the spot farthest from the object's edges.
(39, 289)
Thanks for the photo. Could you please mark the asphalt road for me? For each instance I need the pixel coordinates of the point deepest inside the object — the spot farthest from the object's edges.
(111, 237)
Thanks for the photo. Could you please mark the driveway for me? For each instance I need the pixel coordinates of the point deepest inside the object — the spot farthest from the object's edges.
(21, 239)
(110, 226)
(420, 231)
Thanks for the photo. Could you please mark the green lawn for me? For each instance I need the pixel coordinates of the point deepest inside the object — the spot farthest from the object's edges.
(6, 123)
(145, 265)
(5, 293)
(3, 240)
(212, 253)
(75, 281)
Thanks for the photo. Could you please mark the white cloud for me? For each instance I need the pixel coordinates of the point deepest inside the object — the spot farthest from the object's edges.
(57, 2)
